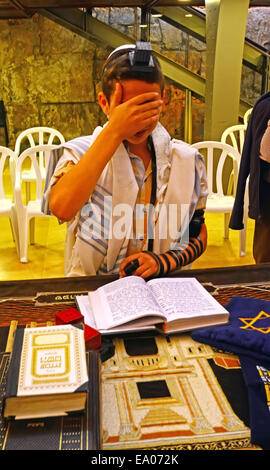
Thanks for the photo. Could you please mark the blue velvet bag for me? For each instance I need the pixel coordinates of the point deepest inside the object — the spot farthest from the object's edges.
(248, 330)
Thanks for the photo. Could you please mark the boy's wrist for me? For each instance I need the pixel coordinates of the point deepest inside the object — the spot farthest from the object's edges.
(114, 132)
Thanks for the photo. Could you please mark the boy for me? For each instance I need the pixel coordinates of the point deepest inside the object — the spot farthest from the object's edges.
(132, 166)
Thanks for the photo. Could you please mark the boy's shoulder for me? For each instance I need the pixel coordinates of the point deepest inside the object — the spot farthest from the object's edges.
(181, 143)
(79, 145)
(182, 147)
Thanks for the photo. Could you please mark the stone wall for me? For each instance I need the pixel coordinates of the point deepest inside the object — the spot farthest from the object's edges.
(49, 76)
(258, 26)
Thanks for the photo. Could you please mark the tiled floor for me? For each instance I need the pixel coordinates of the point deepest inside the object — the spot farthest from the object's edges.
(46, 256)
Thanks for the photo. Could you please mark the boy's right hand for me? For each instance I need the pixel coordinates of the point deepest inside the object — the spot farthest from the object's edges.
(134, 115)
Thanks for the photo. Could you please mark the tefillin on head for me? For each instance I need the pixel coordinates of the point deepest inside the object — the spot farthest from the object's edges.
(141, 59)
(139, 56)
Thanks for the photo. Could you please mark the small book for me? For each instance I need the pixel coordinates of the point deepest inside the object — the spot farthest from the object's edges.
(47, 374)
(170, 305)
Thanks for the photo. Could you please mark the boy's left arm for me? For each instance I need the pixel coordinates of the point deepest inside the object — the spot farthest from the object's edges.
(153, 265)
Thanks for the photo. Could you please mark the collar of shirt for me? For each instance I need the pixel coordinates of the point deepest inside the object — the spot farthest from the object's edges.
(143, 177)
(141, 174)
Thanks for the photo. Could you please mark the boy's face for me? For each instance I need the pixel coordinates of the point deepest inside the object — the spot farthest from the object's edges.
(130, 89)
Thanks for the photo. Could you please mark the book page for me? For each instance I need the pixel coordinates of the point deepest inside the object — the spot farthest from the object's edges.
(184, 298)
(122, 301)
(84, 307)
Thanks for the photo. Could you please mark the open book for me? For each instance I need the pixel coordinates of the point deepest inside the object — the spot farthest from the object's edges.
(169, 304)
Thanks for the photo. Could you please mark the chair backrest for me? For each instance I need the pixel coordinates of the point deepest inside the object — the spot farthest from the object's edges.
(247, 115)
(38, 136)
(6, 155)
(235, 136)
(221, 152)
(31, 153)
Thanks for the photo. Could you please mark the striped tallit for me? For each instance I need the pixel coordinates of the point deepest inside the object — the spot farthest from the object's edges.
(181, 183)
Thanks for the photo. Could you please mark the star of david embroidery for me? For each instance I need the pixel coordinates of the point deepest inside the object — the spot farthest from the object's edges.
(250, 323)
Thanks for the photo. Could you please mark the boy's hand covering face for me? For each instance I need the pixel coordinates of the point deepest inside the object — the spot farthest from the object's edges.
(134, 116)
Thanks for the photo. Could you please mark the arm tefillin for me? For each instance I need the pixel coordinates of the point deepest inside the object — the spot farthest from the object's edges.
(187, 252)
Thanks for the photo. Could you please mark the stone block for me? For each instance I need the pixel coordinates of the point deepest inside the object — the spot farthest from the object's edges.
(65, 78)
(71, 119)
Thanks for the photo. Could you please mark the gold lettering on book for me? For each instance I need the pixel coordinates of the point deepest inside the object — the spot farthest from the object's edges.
(51, 361)
(36, 425)
(50, 354)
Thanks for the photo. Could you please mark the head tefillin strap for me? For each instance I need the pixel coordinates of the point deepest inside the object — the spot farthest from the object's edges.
(141, 59)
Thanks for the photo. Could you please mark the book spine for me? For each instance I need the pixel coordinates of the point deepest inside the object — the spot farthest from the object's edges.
(14, 366)
(94, 397)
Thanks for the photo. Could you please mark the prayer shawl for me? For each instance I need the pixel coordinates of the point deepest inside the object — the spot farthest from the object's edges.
(101, 240)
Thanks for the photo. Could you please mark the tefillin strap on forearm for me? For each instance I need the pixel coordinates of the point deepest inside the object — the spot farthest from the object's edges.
(187, 253)
(182, 257)
(141, 59)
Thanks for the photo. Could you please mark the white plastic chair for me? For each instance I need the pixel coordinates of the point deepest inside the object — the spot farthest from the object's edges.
(32, 208)
(37, 136)
(7, 206)
(235, 136)
(247, 115)
(32, 137)
(218, 200)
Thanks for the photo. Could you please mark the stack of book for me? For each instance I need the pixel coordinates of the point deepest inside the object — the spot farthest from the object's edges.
(49, 380)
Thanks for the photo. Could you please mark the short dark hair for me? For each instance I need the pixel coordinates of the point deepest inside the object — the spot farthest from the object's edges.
(117, 67)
